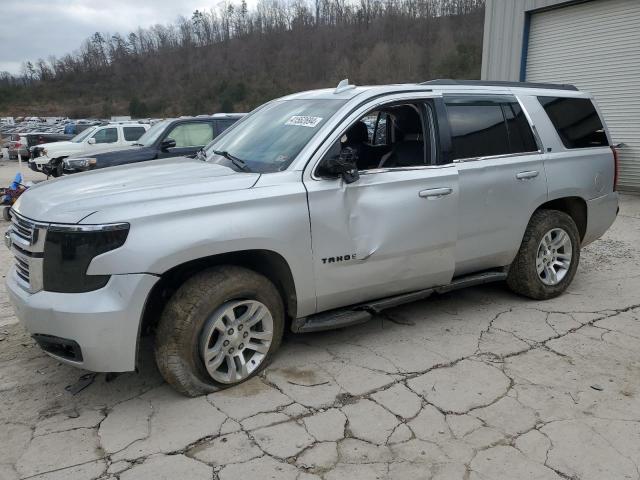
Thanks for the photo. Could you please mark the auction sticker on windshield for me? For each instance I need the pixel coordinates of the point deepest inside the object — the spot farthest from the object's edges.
(304, 121)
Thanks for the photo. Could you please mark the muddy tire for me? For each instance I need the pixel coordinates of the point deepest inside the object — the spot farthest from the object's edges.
(548, 257)
(220, 328)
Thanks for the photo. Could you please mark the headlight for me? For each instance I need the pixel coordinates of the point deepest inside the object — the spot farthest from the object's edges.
(68, 251)
(79, 163)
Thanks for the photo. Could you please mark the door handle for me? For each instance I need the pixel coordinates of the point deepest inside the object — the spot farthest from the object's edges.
(435, 192)
(527, 175)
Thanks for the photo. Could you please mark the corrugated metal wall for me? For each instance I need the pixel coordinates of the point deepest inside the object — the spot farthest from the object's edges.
(593, 44)
(596, 46)
(503, 31)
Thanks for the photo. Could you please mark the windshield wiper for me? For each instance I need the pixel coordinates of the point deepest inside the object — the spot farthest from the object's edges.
(238, 162)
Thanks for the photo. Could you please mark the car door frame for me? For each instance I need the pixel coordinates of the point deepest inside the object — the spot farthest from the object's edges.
(329, 140)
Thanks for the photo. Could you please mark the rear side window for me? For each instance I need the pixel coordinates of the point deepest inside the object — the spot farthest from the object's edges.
(520, 135)
(483, 128)
(224, 124)
(478, 129)
(131, 134)
(576, 121)
(106, 135)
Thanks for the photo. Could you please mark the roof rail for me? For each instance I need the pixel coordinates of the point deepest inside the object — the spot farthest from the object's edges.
(500, 83)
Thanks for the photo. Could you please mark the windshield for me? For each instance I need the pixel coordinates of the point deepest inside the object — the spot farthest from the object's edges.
(269, 139)
(150, 136)
(82, 135)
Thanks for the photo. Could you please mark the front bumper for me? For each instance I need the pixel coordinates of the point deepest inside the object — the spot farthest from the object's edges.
(103, 323)
(601, 213)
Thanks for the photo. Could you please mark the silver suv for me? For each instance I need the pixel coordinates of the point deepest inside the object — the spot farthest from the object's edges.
(314, 212)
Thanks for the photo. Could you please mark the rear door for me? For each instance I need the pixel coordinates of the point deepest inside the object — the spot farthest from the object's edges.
(501, 176)
(189, 137)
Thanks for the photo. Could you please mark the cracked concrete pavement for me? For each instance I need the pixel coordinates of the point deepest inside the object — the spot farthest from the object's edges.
(476, 384)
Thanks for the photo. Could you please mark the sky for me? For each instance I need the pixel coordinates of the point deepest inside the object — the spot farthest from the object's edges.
(32, 29)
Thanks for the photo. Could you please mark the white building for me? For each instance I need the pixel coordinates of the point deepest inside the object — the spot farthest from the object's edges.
(593, 44)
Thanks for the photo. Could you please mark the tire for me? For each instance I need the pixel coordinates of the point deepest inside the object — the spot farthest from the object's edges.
(523, 277)
(189, 315)
(6, 214)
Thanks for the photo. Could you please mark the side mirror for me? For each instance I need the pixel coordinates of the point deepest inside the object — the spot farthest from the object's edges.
(91, 141)
(345, 164)
(167, 144)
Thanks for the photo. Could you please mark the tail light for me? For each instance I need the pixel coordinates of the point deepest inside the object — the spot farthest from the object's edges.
(615, 168)
(18, 145)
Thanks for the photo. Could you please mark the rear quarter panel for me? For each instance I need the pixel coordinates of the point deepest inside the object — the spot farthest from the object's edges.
(587, 173)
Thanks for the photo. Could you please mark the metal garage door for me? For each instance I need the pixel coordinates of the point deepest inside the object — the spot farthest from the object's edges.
(596, 46)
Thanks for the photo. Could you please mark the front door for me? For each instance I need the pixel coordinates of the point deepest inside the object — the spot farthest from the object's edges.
(394, 229)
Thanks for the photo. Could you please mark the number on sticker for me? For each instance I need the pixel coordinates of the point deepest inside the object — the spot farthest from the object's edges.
(304, 121)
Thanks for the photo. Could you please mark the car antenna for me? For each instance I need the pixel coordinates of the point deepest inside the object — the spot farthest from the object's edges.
(343, 85)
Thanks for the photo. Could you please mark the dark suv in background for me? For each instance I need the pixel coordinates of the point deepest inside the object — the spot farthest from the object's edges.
(180, 137)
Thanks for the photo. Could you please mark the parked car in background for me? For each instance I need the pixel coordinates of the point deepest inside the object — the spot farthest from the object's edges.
(18, 146)
(35, 139)
(47, 158)
(181, 137)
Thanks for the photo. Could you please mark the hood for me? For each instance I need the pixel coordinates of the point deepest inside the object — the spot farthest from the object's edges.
(70, 199)
(59, 146)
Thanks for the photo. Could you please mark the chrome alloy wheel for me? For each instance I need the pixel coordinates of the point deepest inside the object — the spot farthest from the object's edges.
(235, 340)
(554, 256)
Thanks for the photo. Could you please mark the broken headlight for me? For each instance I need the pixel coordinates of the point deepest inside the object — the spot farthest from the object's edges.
(79, 163)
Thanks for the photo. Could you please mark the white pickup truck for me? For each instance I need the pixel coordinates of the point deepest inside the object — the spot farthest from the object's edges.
(47, 158)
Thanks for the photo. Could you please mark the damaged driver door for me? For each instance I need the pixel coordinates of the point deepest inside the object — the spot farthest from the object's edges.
(391, 231)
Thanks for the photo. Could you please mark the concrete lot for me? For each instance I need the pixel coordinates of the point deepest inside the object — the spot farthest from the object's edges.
(476, 384)
(9, 168)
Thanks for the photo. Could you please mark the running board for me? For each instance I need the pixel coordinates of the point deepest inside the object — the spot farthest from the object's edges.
(472, 280)
(330, 320)
(356, 314)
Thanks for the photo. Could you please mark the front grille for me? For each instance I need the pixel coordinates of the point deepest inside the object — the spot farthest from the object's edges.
(22, 269)
(27, 246)
(23, 229)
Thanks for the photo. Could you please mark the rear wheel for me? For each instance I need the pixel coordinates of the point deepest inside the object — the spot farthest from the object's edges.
(219, 329)
(548, 257)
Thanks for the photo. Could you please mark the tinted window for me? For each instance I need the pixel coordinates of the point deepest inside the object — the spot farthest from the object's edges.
(520, 135)
(192, 134)
(478, 129)
(131, 134)
(576, 121)
(224, 124)
(106, 135)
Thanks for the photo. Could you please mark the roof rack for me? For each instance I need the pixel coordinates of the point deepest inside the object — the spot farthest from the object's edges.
(500, 83)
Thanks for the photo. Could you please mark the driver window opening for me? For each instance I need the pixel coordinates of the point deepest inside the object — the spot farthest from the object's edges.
(391, 137)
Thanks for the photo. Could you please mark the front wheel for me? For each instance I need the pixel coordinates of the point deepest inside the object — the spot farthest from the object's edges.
(220, 328)
(548, 257)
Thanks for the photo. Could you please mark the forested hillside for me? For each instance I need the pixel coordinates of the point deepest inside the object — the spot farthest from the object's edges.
(233, 59)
